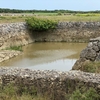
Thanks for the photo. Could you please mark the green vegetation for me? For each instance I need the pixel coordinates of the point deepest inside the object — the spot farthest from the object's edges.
(15, 15)
(5, 10)
(12, 92)
(93, 67)
(21, 17)
(18, 48)
(20, 92)
(90, 94)
(37, 24)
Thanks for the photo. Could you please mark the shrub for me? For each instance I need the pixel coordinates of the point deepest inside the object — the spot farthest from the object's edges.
(93, 67)
(90, 94)
(13, 92)
(36, 24)
(59, 13)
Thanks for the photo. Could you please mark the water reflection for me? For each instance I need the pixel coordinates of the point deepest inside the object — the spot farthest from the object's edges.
(47, 56)
(61, 65)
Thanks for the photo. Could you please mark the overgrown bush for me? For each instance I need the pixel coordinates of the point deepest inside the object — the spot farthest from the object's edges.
(37, 24)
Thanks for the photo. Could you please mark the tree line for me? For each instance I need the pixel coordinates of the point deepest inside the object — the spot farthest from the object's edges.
(4, 10)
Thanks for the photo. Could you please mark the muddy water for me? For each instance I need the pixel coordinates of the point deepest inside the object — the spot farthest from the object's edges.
(47, 56)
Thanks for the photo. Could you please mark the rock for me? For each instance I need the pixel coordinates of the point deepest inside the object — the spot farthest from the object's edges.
(88, 53)
(95, 39)
(90, 44)
(98, 45)
(6, 58)
(2, 55)
(99, 86)
(79, 64)
(95, 43)
(95, 48)
(7, 54)
(98, 58)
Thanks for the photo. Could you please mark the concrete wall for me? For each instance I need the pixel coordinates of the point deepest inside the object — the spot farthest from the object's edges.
(71, 32)
(49, 82)
(52, 83)
(18, 34)
(14, 34)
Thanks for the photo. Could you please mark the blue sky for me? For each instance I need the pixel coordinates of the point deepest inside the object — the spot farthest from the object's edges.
(79, 5)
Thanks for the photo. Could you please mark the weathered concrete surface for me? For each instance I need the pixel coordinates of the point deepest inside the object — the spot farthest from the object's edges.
(90, 53)
(14, 34)
(47, 82)
(7, 54)
(71, 32)
(53, 74)
(18, 33)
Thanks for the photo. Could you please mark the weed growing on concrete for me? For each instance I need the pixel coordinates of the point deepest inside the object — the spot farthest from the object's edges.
(18, 48)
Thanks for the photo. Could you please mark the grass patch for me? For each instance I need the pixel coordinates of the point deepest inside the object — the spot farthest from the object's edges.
(90, 94)
(45, 14)
(93, 67)
(2, 18)
(20, 17)
(88, 14)
(14, 92)
(17, 48)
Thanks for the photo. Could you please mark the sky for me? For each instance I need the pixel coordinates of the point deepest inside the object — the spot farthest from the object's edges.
(76, 5)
